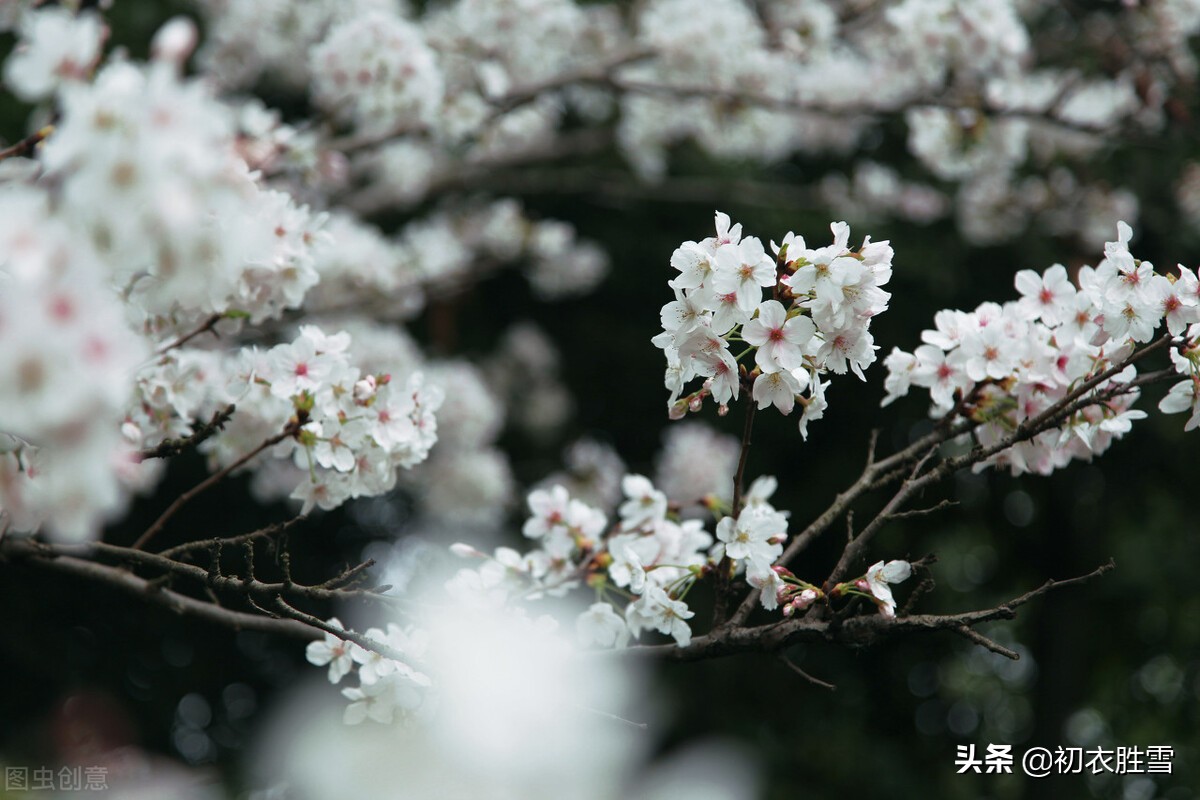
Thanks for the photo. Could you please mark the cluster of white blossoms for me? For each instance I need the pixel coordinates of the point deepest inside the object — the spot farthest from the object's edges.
(493, 82)
(816, 320)
(349, 432)
(375, 69)
(56, 47)
(388, 688)
(511, 711)
(144, 164)
(135, 226)
(66, 354)
(641, 568)
(1004, 365)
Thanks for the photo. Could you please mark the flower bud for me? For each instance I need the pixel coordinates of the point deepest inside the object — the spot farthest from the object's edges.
(130, 431)
(803, 600)
(365, 389)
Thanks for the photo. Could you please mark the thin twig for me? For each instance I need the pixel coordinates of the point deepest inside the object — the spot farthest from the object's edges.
(262, 533)
(740, 476)
(287, 610)
(983, 641)
(724, 568)
(872, 440)
(860, 631)
(921, 512)
(27, 145)
(639, 725)
(814, 681)
(209, 482)
(208, 324)
(348, 576)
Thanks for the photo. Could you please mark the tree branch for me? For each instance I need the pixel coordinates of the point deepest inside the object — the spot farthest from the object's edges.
(217, 541)
(26, 146)
(814, 681)
(151, 592)
(207, 325)
(169, 448)
(212, 480)
(859, 631)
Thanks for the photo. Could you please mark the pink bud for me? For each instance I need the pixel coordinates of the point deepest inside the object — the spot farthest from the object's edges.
(364, 389)
(696, 402)
(804, 599)
(677, 410)
(862, 584)
(722, 410)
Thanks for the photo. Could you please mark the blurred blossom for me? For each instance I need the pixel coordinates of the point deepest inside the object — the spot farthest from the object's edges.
(696, 460)
(593, 472)
(514, 711)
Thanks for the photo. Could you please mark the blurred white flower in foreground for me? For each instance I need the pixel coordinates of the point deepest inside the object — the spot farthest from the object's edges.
(514, 711)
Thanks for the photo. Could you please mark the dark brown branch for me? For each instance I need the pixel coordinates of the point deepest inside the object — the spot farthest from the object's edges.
(348, 576)
(983, 641)
(723, 583)
(285, 609)
(169, 448)
(209, 482)
(814, 681)
(921, 512)
(207, 325)
(27, 145)
(183, 605)
(1076, 400)
(217, 541)
(739, 477)
(212, 577)
(872, 441)
(867, 481)
(859, 631)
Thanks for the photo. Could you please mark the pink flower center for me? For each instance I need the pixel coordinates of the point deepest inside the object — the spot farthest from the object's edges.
(61, 308)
